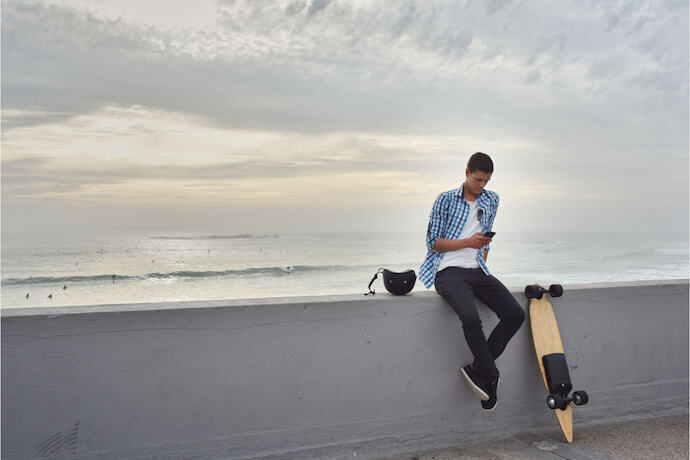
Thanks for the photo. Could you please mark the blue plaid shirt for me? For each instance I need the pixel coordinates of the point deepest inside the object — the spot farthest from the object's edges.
(447, 219)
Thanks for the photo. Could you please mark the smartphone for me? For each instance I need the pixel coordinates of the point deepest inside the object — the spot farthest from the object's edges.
(490, 234)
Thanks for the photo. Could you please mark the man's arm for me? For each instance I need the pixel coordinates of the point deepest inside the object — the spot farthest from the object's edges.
(490, 225)
(476, 241)
(436, 222)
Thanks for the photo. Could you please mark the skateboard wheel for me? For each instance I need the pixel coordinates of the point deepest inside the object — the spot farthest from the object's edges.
(533, 292)
(556, 401)
(555, 290)
(553, 401)
(580, 398)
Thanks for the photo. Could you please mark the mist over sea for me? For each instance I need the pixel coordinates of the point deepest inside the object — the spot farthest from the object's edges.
(154, 266)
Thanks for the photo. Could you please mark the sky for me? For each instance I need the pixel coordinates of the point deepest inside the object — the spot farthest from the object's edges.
(235, 116)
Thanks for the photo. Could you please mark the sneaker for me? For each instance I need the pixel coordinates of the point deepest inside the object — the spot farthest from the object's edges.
(476, 382)
(490, 404)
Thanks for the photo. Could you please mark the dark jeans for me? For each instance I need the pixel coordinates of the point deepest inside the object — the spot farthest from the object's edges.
(459, 286)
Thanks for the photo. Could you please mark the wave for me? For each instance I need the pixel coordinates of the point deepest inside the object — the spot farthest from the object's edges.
(176, 275)
(645, 253)
(242, 236)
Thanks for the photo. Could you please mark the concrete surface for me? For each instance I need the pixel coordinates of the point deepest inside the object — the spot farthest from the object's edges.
(657, 438)
(320, 377)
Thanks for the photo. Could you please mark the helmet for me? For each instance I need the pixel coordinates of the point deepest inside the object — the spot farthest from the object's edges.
(397, 283)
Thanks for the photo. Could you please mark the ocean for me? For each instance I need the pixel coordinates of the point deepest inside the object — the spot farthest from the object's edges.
(42, 269)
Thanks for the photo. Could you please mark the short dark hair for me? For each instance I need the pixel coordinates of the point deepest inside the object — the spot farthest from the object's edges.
(482, 162)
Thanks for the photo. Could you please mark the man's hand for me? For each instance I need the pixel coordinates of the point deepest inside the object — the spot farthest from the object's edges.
(478, 241)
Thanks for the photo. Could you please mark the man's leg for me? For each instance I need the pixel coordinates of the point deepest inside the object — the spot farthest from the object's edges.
(455, 286)
(511, 315)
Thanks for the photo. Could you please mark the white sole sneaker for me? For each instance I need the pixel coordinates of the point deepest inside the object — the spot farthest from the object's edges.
(477, 390)
(489, 409)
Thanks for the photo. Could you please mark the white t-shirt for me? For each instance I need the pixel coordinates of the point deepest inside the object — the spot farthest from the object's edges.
(467, 257)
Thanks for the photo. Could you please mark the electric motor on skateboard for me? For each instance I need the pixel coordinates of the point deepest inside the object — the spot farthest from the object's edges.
(550, 356)
(558, 379)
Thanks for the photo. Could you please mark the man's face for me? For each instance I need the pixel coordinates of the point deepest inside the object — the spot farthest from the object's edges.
(476, 181)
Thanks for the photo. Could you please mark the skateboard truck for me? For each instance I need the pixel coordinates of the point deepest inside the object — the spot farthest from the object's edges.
(537, 292)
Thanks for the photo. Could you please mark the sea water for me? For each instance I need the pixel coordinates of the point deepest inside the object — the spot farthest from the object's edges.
(41, 268)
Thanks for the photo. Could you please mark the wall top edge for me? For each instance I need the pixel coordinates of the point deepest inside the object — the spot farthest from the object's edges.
(278, 301)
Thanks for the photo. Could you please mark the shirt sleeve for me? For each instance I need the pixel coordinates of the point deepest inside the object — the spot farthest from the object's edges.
(436, 222)
(492, 216)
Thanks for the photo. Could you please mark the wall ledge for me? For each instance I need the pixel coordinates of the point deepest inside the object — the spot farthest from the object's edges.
(382, 295)
(321, 376)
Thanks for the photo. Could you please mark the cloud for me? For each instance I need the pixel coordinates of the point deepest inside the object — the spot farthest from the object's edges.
(122, 150)
(257, 183)
(404, 67)
(588, 95)
(533, 76)
(316, 6)
(493, 6)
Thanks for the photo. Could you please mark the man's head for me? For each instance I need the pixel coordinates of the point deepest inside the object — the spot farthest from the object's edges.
(478, 173)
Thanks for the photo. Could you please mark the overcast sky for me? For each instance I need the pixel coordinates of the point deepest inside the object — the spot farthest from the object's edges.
(268, 116)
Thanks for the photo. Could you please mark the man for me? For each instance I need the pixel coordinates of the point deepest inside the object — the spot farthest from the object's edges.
(456, 264)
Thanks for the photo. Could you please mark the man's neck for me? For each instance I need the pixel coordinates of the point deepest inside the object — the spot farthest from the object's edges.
(469, 196)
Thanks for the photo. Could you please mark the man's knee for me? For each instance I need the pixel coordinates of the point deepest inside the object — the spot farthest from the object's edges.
(516, 315)
(512, 313)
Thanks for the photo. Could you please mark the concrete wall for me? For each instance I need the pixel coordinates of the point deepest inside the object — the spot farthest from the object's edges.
(320, 376)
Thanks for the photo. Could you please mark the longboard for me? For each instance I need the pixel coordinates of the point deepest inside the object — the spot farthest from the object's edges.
(551, 358)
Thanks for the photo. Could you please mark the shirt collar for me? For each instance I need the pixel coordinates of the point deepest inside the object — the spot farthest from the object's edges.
(462, 197)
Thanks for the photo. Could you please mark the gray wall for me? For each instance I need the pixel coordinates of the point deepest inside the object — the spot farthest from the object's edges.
(319, 376)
